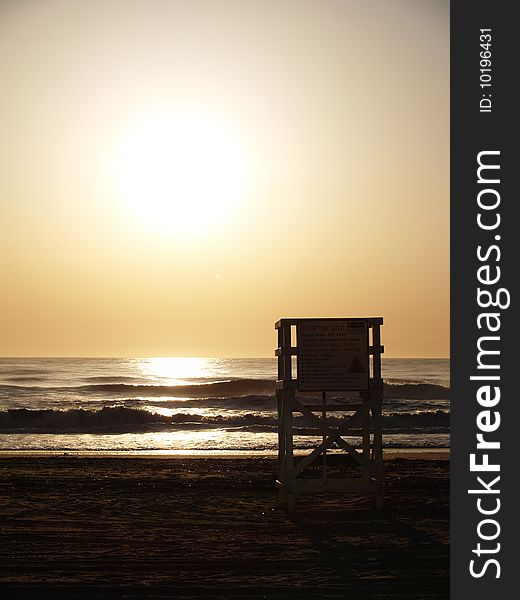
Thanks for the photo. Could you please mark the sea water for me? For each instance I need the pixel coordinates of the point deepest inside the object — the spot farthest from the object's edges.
(191, 404)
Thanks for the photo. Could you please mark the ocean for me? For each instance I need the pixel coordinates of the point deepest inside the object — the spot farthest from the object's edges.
(191, 405)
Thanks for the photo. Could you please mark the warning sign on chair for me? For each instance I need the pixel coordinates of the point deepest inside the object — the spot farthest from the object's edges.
(332, 355)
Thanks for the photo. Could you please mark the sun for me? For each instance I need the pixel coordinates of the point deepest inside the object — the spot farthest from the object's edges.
(181, 172)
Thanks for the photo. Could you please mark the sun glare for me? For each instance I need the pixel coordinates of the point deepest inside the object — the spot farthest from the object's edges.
(181, 172)
(174, 370)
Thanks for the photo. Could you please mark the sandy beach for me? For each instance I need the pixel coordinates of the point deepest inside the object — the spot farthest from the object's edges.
(183, 527)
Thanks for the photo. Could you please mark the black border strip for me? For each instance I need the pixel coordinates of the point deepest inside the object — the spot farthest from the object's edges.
(472, 132)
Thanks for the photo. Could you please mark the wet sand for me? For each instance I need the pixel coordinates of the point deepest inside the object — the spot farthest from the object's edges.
(83, 527)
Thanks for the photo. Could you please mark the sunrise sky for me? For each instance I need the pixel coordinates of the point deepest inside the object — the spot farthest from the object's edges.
(175, 176)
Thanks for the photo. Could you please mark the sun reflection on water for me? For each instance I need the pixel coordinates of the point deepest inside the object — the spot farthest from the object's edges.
(175, 370)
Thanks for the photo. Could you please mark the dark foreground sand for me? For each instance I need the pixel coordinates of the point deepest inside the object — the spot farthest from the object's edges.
(75, 527)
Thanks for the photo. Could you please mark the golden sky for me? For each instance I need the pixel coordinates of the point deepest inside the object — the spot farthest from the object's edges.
(177, 175)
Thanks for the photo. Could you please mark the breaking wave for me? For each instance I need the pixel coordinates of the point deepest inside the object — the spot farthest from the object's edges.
(131, 420)
(416, 391)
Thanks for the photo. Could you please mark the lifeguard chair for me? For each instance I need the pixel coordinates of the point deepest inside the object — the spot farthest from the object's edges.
(339, 362)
